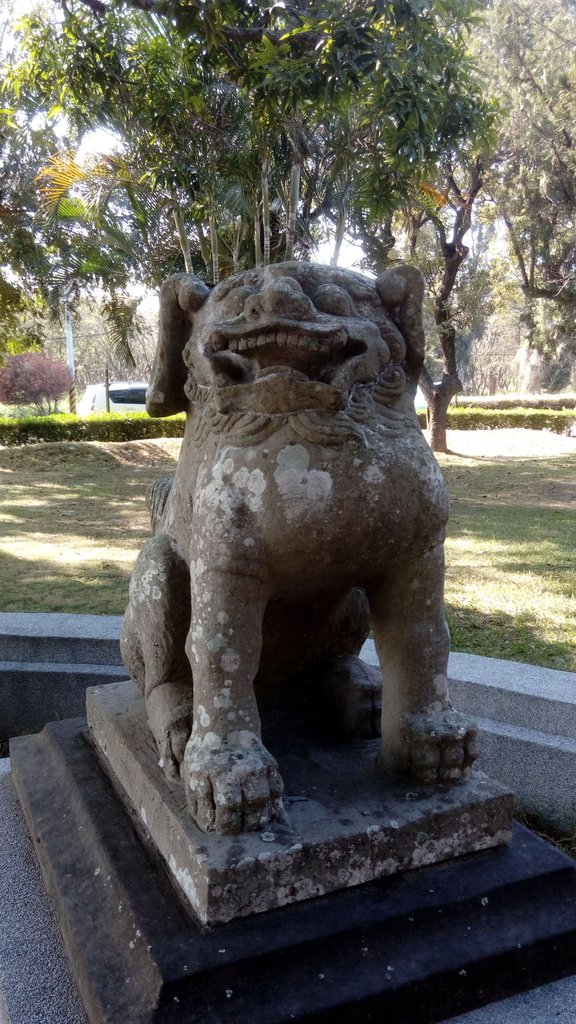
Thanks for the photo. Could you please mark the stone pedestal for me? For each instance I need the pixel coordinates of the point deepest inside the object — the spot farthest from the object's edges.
(414, 948)
(345, 823)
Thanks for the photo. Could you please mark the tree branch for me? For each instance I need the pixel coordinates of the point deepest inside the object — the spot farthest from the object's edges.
(238, 34)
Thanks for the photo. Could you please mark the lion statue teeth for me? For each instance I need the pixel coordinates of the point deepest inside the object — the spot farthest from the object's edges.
(306, 505)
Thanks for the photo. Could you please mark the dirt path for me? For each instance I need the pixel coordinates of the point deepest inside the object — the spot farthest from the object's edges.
(510, 444)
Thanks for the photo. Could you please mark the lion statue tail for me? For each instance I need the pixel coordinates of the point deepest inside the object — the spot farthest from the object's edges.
(156, 498)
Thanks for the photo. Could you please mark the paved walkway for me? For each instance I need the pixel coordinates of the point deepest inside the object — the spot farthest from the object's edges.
(35, 982)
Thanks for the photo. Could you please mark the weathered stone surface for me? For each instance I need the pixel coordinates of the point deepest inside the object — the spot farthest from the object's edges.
(344, 824)
(306, 503)
(413, 949)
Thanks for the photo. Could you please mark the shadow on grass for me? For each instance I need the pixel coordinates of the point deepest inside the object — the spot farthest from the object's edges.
(95, 510)
(40, 585)
(518, 527)
(528, 481)
(509, 637)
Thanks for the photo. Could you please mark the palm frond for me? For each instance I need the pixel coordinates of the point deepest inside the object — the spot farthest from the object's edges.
(58, 177)
(122, 325)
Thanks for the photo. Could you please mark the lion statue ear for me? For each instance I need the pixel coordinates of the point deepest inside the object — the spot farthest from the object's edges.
(401, 290)
(180, 297)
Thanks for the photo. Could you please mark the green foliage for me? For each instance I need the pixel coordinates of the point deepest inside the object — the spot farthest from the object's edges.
(562, 401)
(557, 420)
(64, 427)
(26, 258)
(216, 102)
(529, 56)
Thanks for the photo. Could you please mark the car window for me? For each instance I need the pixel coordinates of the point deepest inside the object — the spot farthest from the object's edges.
(128, 396)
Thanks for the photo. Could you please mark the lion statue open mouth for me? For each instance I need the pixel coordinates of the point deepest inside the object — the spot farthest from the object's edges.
(305, 505)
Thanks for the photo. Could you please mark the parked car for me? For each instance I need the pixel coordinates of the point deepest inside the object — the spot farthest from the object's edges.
(125, 396)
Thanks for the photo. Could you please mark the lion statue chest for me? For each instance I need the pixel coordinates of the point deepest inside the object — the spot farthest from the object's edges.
(303, 511)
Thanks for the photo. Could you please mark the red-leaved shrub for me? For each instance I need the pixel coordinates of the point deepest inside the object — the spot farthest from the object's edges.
(33, 379)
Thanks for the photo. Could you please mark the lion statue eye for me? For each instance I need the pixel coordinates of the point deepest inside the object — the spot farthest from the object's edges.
(233, 302)
(329, 298)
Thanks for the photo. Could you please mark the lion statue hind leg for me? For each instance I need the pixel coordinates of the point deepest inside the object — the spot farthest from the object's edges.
(152, 643)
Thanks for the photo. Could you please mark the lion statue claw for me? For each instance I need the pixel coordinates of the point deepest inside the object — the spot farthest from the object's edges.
(306, 505)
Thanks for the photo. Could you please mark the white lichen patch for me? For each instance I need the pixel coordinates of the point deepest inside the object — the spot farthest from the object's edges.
(230, 489)
(251, 484)
(185, 881)
(440, 684)
(230, 660)
(212, 741)
(373, 474)
(302, 489)
(216, 643)
(222, 700)
(197, 567)
(203, 716)
(146, 585)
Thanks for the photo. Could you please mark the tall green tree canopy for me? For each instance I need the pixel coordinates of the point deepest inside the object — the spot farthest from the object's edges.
(531, 58)
(254, 122)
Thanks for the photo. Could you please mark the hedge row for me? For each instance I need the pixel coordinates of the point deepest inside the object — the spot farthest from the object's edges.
(109, 427)
(563, 401)
(557, 420)
(139, 426)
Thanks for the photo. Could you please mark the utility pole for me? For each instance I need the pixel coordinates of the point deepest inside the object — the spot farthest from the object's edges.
(70, 349)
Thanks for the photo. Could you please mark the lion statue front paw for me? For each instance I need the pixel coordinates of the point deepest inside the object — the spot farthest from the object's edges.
(232, 784)
(441, 746)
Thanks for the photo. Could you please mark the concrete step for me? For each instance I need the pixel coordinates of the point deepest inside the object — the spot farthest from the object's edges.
(61, 638)
(526, 696)
(34, 693)
(526, 729)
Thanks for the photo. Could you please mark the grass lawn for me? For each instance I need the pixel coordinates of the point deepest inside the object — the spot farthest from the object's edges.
(510, 581)
(72, 519)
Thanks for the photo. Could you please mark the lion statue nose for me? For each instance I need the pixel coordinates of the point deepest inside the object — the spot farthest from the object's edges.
(280, 297)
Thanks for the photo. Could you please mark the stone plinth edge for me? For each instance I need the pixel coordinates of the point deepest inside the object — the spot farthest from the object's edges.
(346, 824)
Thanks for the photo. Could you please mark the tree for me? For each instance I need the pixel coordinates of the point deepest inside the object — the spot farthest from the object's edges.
(25, 262)
(451, 224)
(530, 56)
(199, 90)
(33, 379)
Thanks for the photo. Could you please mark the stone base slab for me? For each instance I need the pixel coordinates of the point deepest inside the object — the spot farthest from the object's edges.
(414, 948)
(345, 824)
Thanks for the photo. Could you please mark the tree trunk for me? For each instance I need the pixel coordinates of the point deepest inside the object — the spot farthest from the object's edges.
(454, 252)
(182, 236)
(236, 246)
(257, 241)
(204, 247)
(295, 176)
(265, 209)
(339, 238)
(438, 398)
(215, 251)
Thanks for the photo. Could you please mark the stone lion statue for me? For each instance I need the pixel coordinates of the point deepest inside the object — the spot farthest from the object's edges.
(306, 505)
